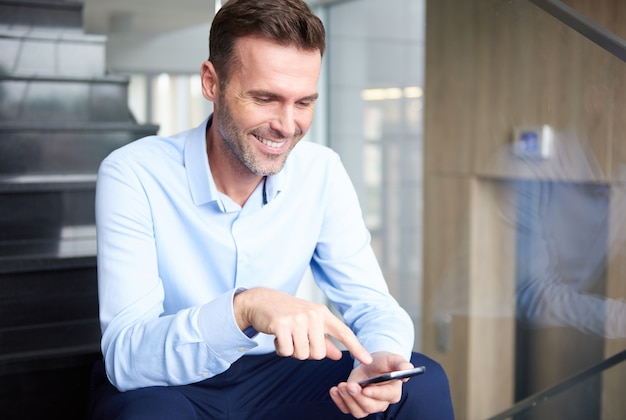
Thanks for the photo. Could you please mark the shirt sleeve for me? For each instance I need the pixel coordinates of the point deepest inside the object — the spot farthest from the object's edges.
(142, 346)
(346, 269)
(549, 301)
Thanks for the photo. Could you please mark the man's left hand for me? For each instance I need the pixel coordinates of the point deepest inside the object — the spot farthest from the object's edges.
(361, 402)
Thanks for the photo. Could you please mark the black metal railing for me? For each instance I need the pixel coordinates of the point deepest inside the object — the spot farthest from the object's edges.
(541, 397)
(585, 26)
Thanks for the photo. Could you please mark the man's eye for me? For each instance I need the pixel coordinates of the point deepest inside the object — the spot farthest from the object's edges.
(263, 100)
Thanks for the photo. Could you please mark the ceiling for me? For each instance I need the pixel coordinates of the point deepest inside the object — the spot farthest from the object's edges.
(144, 16)
(150, 16)
(155, 36)
(143, 33)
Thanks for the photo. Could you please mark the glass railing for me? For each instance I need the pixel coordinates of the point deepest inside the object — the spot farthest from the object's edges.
(549, 403)
(592, 392)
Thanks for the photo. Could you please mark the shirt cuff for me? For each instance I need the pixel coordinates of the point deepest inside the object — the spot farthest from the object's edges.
(220, 331)
(250, 332)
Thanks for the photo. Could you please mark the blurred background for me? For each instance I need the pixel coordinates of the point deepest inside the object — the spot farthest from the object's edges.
(485, 139)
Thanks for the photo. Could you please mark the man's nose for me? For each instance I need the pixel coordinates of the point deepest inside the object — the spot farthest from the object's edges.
(285, 122)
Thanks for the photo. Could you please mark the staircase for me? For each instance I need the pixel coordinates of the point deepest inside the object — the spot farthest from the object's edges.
(60, 115)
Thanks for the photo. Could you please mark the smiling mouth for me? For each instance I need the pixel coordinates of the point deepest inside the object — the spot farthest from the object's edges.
(270, 143)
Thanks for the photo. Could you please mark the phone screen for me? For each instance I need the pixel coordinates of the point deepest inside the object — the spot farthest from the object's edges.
(398, 374)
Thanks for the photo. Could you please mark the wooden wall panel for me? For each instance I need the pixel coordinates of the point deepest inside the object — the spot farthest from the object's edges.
(449, 71)
(491, 307)
(445, 290)
(533, 70)
(471, 291)
(614, 382)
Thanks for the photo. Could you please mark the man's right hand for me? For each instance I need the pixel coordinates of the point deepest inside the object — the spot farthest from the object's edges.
(301, 328)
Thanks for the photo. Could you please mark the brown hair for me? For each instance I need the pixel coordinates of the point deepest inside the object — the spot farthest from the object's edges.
(288, 22)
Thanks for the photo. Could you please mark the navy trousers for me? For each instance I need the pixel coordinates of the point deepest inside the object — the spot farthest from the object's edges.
(268, 387)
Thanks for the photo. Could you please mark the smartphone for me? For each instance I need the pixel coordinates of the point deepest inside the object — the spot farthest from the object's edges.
(398, 374)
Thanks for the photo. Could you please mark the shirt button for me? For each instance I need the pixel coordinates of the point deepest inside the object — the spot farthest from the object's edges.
(204, 374)
(241, 349)
(243, 259)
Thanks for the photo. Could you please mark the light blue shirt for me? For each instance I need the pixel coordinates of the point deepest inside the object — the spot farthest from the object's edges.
(173, 250)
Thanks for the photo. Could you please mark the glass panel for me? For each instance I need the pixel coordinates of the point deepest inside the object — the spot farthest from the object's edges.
(578, 402)
(525, 158)
(561, 242)
(375, 77)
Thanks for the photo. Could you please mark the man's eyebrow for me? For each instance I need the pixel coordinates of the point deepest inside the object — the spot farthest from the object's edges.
(271, 95)
(312, 97)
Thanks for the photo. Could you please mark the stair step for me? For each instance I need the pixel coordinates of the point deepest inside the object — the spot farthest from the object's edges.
(47, 182)
(60, 150)
(47, 14)
(42, 52)
(47, 306)
(64, 99)
(41, 216)
(25, 342)
(78, 126)
(36, 262)
(30, 300)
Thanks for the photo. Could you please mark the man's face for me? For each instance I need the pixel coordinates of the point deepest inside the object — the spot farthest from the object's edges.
(267, 104)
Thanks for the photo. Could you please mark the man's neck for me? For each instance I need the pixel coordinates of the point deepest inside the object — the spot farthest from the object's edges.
(231, 177)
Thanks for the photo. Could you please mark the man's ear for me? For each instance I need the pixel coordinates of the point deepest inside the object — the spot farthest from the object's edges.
(210, 82)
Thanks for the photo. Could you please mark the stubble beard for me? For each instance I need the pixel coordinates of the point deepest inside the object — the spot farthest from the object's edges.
(242, 152)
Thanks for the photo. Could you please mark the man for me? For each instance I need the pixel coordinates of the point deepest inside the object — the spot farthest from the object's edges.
(203, 239)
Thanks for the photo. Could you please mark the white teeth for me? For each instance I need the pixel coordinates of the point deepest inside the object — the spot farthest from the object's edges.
(270, 143)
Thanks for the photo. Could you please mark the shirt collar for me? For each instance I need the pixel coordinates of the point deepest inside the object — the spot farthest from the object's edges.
(201, 183)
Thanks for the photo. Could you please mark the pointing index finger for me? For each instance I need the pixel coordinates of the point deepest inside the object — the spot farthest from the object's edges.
(345, 336)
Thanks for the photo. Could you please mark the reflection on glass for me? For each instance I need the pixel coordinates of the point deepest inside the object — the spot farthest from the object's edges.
(564, 239)
(562, 247)
(561, 217)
